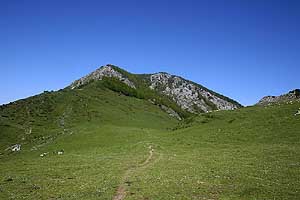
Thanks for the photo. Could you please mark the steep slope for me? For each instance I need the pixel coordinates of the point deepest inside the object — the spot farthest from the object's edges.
(188, 95)
(291, 96)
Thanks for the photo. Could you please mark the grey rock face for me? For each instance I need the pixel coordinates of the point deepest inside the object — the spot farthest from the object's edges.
(187, 95)
(104, 71)
(171, 112)
(293, 95)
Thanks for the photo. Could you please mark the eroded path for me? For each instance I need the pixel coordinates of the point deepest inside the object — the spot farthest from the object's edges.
(121, 191)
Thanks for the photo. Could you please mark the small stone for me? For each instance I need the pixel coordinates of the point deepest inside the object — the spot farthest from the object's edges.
(61, 152)
(43, 154)
(13, 148)
(33, 149)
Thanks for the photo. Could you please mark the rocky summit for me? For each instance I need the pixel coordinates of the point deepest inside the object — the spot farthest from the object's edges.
(291, 96)
(189, 96)
(104, 71)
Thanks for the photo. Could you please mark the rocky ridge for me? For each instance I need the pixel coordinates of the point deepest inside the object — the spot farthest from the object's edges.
(186, 94)
(291, 96)
(104, 71)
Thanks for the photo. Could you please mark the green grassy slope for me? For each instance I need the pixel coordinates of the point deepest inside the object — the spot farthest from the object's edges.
(44, 117)
(250, 153)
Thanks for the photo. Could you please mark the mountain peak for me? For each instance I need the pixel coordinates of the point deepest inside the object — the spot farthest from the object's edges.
(108, 70)
(189, 96)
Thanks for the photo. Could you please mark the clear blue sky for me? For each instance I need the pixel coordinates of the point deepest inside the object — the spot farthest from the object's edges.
(244, 49)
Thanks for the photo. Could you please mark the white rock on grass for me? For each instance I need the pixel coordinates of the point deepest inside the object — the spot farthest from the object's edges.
(298, 112)
(61, 152)
(43, 154)
(14, 148)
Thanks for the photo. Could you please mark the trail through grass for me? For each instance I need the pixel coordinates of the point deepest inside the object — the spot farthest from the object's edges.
(121, 191)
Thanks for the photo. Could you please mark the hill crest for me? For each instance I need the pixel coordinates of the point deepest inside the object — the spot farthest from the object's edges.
(293, 95)
(189, 96)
